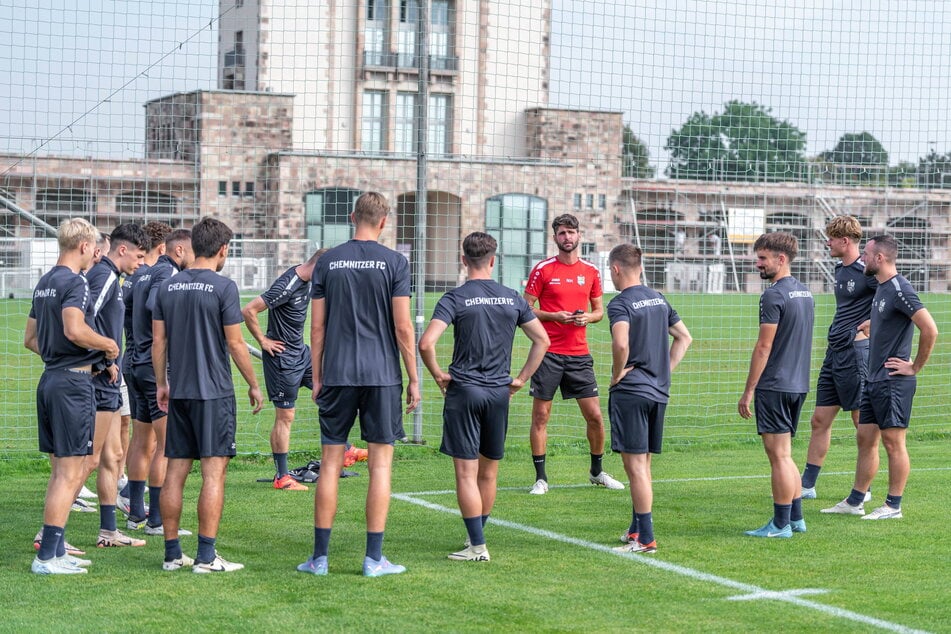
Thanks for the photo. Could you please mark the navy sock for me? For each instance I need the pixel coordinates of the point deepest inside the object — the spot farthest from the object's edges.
(474, 528)
(375, 545)
(810, 475)
(173, 549)
(634, 524)
(280, 464)
(485, 518)
(645, 526)
(155, 509)
(795, 512)
(781, 514)
(596, 463)
(206, 549)
(137, 499)
(321, 541)
(539, 462)
(125, 490)
(855, 497)
(52, 535)
(893, 501)
(107, 517)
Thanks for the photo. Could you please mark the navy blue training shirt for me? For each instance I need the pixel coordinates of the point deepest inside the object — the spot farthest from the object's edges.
(287, 300)
(143, 303)
(650, 317)
(358, 281)
(128, 283)
(484, 315)
(789, 304)
(108, 309)
(853, 301)
(196, 305)
(892, 329)
(58, 289)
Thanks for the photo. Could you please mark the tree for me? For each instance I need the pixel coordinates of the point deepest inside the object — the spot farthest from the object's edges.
(636, 159)
(934, 170)
(744, 142)
(857, 149)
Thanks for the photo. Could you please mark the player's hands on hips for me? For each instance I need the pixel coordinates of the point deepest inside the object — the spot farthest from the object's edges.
(744, 405)
(865, 327)
(257, 399)
(272, 346)
(113, 371)
(161, 396)
(515, 386)
(412, 396)
(900, 367)
(620, 377)
(443, 381)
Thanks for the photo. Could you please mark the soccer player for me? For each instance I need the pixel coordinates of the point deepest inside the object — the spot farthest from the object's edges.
(57, 330)
(196, 324)
(890, 389)
(478, 386)
(779, 376)
(845, 366)
(128, 244)
(568, 292)
(642, 359)
(360, 325)
(178, 256)
(142, 444)
(287, 363)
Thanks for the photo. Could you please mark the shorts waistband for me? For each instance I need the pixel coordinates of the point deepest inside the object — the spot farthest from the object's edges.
(86, 369)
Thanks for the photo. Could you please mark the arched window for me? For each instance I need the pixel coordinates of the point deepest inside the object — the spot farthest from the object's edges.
(520, 224)
(327, 215)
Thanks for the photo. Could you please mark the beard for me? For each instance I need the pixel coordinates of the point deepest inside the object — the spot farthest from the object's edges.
(568, 248)
(766, 274)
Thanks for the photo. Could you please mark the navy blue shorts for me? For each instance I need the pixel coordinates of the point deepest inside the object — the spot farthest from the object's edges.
(282, 383)
(777, 412)
(145, 402)
(888, 403)
(573, 374)
(842, 377)
(108, 399)
(475, 420)
(380, 409)
(66, 413)
(201, 428)
(637, 423)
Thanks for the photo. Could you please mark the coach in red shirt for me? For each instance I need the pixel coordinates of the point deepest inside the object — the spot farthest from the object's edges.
(568, 292)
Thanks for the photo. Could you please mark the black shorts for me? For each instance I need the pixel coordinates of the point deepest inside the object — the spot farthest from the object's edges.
(380, 409)
(66, 413)
(145, 403)
(888, 403)
(637, 423)
(201, 428)
(842, 377)
(777, 412)
(475, 420)
(573, 374)
(108, 399)
(283, 384)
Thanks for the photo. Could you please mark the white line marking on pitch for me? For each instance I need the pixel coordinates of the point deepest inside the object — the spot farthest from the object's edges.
(751, 591)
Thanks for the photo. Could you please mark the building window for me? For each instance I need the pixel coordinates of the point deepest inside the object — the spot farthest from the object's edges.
(238, 4)
(440, 125)
(405, 123)
(441, 53)
(374, 121)
(520, 224)
(249, 189)
(375, 34)
(587, 250)
(327, 215)
(135, 206)
(54, 206)
(235, 188)
(406, 41)
(222, 188)
(577, 201)
(589, 201)
(602, 201)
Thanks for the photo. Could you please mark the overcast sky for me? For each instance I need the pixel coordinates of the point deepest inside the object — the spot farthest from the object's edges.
(828, 67)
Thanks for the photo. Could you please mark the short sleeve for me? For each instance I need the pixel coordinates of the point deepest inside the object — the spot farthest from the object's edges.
(617, 312)
(401, 281)
(230, 305)
(596, 289)
(535, 282)
(317, 280)
(279, 292)
(907, 301)
(525, 312)
(445, 310)
(161, 293)
(76, 293)
(770, 307)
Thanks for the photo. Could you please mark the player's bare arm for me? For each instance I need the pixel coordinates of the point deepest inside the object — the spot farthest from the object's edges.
(620, 351)
(250, 313)
(242, 359)
(78, 331)
(682, 341)
(406, 340)
(159, 365)
(29, 336)
(318, 328)
(427, 352)
(764, 344)
(536, 353)
(927, 336)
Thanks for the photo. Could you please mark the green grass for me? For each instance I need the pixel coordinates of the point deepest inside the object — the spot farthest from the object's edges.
(891, 571)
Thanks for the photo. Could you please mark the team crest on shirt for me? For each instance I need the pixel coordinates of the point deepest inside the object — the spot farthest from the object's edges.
(851, 286)
(881, 306)
(581, 280)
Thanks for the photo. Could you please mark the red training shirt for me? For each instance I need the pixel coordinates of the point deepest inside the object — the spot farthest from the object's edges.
(568, 287)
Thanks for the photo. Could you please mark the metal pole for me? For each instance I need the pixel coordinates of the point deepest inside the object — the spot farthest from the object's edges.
(419, 240)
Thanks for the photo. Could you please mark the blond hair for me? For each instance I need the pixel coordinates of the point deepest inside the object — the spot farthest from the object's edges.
(844, 227)
(74, 232)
